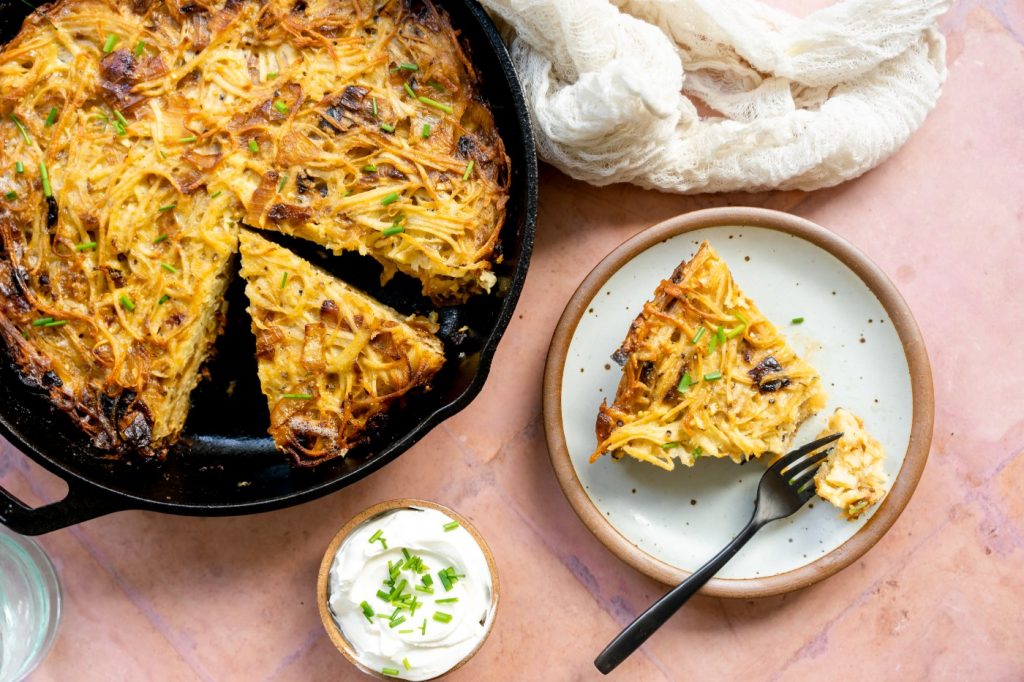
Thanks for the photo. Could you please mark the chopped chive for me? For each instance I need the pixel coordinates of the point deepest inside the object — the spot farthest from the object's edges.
(216, 194)
(169, 268)
(387, 127)
(442, 617)
(19, 167)
(376, 536)
(735, 331)
(427, 580)
(11, 196)
(424, 590)
(271, 75)
(423, 628)
(281, 107)
(297, 396)
(451, 526)
(713, 343)
(739, 316)
(469, 171)
(127, 303)
(120, 117)
(409, 91)
(254, 146)
(405, 662)
(697, 452)
(426, 130)
(85, 246)
(437, 105)
(140, 47)
(370, 168)
(669, 446)
(42, 321)
(405, 632)
(389, 671)
(163, 299)
(408, 66)
(797, 320)
(283, 182)
(122, 131)
(187, 139)
(400, 587)
(21, 129)
(395, 623)
(373, 106)
(367, 611)
(393, 230)
(445, 580)
(406, 554)
(284, 280)
(159, 239)
(449, 600)
(434, 84)
(383, 596)
(720, 335)
(108, 45)
(44, 175)
(389, 199)
(700, 333)
(712, 376)
(685, 383)
(56, 323)
(52, 118)
(168, 207)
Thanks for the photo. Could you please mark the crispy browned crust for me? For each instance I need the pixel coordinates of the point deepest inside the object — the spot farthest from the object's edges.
(124, 376)
(350, 356)
(738, 391)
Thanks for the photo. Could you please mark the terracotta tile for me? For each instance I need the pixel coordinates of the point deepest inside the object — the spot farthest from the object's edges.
(950, 611)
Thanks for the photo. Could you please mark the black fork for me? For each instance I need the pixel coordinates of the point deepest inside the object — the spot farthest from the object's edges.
(785, 487)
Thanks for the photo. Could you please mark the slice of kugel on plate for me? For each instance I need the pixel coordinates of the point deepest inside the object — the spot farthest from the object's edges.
(705, 374)
(331, 358)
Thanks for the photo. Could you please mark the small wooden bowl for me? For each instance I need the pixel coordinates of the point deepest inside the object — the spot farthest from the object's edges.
(323, 580)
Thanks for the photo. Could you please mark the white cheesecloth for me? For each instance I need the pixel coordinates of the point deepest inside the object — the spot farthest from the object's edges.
(722, 95)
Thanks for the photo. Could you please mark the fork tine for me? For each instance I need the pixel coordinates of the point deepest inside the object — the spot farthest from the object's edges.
(808, 468)
(791, 457)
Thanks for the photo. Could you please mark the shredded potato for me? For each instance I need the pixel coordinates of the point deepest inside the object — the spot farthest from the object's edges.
(735, 389)
(852, 477)
(330, 357)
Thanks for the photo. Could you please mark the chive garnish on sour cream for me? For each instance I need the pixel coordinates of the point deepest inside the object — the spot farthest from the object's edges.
(451, 526)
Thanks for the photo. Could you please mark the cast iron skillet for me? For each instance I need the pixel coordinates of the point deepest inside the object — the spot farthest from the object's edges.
(226, 463)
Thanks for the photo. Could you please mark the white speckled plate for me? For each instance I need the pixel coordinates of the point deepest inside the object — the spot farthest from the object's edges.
(857, 332)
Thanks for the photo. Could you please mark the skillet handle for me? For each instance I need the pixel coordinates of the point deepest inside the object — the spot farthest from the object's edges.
(80, 504)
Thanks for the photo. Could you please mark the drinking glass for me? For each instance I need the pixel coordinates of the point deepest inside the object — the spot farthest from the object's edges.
(29, 605)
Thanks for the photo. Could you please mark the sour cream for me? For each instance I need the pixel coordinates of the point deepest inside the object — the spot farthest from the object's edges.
(442, 567)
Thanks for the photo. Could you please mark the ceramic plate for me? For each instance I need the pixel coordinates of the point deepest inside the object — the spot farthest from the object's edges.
(857, 332)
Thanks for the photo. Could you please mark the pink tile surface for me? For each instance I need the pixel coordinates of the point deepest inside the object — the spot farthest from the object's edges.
(151, 597)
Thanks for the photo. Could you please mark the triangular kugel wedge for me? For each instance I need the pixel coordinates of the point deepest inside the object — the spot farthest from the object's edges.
(331, 358)
(705, 374)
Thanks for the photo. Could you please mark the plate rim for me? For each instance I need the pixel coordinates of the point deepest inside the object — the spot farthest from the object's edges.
(922, 396)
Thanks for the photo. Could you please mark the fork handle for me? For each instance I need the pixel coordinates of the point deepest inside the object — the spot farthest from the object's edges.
(630, 639)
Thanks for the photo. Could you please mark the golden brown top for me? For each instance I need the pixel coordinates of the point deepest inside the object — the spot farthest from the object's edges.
(136, 135)
(330, 357)
(705, 374)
